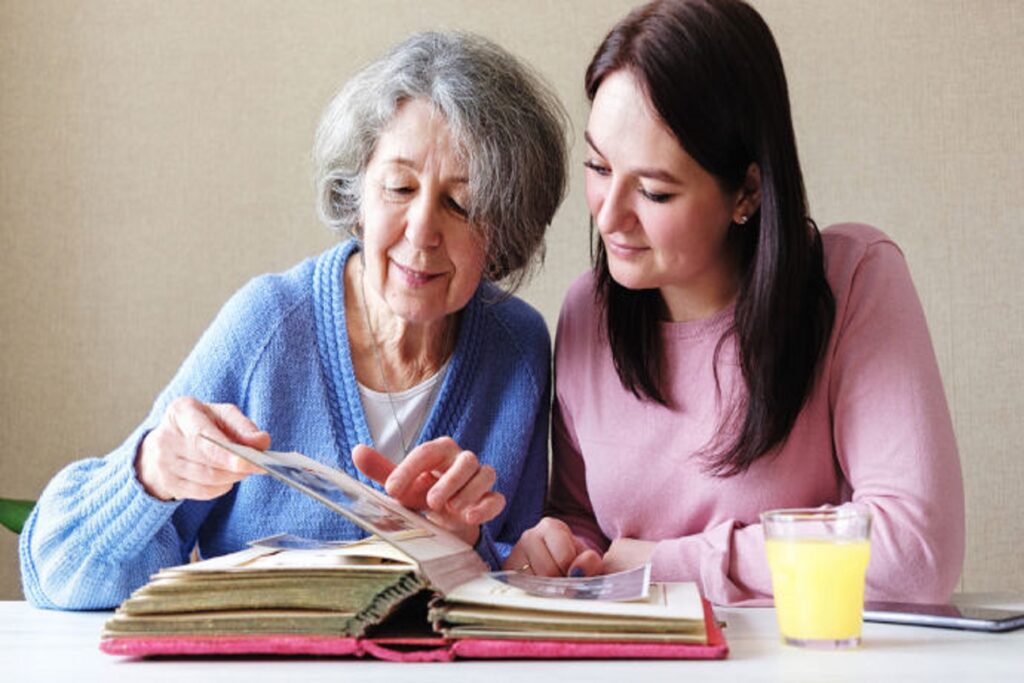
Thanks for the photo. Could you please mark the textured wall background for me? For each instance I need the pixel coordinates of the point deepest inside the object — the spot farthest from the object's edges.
(154, 156)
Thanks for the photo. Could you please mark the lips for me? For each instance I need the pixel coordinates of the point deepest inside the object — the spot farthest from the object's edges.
(415, 277)
(623, 250)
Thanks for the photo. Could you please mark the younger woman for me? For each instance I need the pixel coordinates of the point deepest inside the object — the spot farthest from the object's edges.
(723, 357)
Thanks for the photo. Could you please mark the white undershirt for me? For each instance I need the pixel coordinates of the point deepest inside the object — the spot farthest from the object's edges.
(410, 406)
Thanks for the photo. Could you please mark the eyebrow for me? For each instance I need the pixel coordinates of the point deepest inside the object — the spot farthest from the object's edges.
(409, 163)
(652, 173)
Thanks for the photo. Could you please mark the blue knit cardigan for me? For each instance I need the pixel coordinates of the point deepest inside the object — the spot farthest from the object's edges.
(279, 350)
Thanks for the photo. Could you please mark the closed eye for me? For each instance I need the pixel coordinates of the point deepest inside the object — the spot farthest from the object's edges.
(456, 208)
(656, 197)
(597, 167)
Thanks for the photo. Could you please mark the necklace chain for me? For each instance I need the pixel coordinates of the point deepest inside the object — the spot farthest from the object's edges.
(379, 356)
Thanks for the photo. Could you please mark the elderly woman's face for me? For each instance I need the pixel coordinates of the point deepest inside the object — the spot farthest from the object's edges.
(423, 256)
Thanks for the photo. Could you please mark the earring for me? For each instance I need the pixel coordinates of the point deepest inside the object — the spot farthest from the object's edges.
(742, 220)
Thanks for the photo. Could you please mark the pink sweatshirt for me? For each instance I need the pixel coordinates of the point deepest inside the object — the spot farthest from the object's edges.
(875, 432)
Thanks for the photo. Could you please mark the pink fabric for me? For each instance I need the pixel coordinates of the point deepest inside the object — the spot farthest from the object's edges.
(390, 649)
(150, 646)
(415, 649)
(876, 433)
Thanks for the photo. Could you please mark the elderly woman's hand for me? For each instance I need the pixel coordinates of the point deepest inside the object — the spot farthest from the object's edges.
(174, 463)
(441, 479)
(551, 549)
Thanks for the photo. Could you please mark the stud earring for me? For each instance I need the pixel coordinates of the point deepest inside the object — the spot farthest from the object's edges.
(742, 220)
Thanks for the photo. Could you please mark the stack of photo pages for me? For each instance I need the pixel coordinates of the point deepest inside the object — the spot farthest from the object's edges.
(410, 592)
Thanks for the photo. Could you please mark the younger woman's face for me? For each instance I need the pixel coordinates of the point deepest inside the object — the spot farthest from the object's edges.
(662, 218)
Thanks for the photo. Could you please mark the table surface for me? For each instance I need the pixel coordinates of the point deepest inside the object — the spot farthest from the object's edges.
(48, 645)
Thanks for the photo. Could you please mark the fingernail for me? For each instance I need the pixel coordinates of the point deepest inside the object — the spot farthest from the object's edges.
(576, 572)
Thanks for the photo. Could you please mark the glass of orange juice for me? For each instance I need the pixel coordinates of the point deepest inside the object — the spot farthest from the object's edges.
(818, 558)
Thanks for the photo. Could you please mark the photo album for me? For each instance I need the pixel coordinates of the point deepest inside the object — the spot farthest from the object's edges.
(410, 591)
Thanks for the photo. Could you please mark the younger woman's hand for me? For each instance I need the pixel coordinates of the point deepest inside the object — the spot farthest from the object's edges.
(441, 479)
(627, 553)
(551, 549)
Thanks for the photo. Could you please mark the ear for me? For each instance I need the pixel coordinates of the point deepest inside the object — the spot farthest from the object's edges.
(748, 201)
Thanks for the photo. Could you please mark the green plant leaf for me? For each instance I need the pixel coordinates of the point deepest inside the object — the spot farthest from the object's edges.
(13, 513)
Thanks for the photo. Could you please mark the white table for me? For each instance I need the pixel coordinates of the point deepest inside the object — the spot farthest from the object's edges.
(40, 645)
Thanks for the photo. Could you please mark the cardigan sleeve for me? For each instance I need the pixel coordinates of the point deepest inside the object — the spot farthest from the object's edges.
(95, 535)
(526, 503)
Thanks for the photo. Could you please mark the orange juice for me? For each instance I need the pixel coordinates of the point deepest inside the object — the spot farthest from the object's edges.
(819, 587)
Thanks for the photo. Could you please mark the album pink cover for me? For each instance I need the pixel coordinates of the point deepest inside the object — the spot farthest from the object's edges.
(416, 649)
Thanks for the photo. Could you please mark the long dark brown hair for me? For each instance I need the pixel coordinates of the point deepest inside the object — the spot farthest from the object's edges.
(713, 73)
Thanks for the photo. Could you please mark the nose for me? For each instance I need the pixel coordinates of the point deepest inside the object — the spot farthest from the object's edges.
(423, 222)
(614, 208)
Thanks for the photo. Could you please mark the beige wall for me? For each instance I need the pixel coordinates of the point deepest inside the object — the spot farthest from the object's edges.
(153, 156)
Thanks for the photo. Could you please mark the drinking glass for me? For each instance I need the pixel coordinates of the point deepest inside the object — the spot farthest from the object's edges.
(818, 558)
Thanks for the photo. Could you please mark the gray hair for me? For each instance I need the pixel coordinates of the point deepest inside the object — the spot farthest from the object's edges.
(509, 127)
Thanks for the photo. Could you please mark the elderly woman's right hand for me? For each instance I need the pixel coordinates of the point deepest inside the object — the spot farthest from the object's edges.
(174, 463)
(449, 484)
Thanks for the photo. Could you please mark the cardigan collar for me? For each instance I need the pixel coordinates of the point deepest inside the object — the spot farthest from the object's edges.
(348, 418)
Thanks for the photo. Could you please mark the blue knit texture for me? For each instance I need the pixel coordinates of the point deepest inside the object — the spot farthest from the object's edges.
(279, 350)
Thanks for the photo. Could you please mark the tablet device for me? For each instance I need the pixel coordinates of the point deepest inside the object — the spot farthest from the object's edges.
(944, 616)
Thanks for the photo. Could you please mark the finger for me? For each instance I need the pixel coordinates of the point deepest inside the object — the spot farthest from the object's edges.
(562, 547)
(588, 563)
(237, 427)
(222, 458)
(192, 420)
(371, 463)
(414, 496)
(474, 491)
(170, 450)
(538, 543)
(436, 455)
(462, 484)
(541, 563)
(204, 475)
(516, 558)
(489, 507)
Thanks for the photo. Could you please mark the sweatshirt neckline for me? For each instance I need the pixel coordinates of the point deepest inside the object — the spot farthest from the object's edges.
(711, 326)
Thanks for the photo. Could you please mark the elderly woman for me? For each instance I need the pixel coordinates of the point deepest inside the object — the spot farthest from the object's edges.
(396, 350)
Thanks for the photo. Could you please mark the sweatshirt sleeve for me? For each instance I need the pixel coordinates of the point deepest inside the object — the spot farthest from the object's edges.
(568, 499)
(95, 535)
(893, 441)
(727, 561)
(893, 434)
